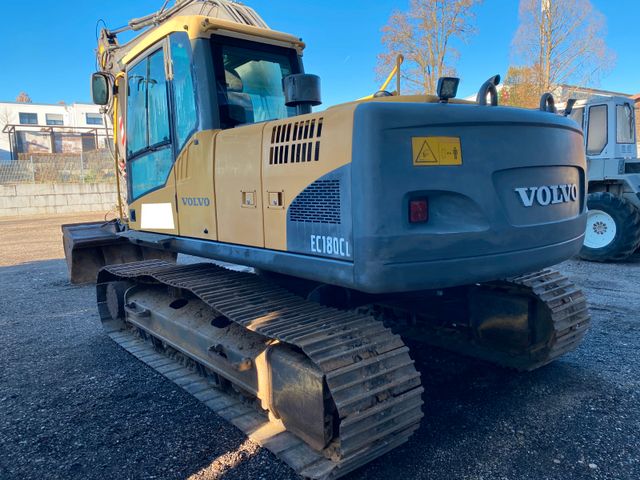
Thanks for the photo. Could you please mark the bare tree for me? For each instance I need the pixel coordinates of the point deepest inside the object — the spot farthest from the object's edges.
(424, 35)
(562, 41)
(23, 97)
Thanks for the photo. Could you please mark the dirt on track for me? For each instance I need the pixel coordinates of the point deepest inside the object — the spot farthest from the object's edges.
(74, 405)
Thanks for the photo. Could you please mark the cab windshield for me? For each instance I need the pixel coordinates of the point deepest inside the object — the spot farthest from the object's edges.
(249, 81)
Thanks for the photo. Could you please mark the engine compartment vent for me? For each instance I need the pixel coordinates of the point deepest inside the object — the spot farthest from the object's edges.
(318, 203)
(296, 142)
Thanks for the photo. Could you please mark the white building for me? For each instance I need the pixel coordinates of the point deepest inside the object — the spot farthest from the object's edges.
(44, 128)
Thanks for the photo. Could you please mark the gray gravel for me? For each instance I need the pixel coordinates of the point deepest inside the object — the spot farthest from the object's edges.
(73, 405)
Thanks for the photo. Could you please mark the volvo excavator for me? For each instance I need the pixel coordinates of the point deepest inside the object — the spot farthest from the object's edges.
(386, 219)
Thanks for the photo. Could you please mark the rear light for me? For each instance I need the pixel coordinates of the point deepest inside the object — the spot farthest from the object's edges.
(418, 210)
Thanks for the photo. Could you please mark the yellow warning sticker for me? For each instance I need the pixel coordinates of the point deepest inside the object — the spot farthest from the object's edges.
(436, 151)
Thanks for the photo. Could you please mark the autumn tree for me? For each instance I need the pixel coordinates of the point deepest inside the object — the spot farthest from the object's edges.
(561, 41)
(520, 88)
(23, 97)
(424, 36)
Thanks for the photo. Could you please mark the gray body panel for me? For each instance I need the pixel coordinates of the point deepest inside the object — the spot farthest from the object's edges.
(479, 228)
(320, 220)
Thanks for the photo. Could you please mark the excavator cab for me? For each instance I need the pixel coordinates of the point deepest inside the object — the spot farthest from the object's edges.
(169, 92)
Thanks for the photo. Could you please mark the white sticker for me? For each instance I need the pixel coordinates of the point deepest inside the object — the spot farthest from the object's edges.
(157, 216)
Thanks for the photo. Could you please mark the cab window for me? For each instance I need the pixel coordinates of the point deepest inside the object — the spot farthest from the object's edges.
(137, 108)
(597, 130)
(249, 81)
(624, 124)
(150, 171)
(149, 149)
(184, 96)
(158, 116)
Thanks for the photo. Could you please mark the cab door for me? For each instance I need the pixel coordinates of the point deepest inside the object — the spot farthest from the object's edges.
(194, 148)
(149, 145)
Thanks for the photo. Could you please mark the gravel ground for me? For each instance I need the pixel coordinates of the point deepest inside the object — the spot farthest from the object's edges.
(21, 242)
(73, 405)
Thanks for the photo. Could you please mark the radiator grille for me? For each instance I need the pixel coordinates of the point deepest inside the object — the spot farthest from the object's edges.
(296, 142)
(318, 203)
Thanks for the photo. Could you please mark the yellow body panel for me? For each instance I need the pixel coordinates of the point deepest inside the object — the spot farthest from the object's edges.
(293, 176)
(195, 187)
(157, 208)
(198, 26)
(403, 99)
(238, 185)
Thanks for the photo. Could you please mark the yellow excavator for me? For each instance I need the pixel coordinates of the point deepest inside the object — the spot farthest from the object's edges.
(388, 218)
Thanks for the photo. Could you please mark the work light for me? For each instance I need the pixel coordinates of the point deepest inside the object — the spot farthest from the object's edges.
(447, 88)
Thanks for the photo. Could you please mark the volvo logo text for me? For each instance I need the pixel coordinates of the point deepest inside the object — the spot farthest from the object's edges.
(548, 194)
(196, 201)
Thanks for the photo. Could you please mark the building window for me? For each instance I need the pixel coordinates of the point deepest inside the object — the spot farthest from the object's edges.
(28, 118)
(54, 119)
(93, 118)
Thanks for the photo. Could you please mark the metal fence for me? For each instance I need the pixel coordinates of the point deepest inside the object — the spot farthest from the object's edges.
(87, 167)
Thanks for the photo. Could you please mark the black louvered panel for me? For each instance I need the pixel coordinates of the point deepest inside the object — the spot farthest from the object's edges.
(318, 203)
(296, 142)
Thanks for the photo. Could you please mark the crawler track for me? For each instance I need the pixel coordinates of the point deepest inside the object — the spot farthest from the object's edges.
(368, 371)
(555, 303)
(371, 378)
(566, 307)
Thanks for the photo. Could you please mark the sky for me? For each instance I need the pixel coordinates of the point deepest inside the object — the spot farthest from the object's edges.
(50, 53)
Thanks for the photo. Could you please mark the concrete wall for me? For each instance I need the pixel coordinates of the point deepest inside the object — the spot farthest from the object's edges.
(37, 199)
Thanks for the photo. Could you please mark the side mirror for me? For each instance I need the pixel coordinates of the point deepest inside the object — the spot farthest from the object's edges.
(301, 90)
(100, 88)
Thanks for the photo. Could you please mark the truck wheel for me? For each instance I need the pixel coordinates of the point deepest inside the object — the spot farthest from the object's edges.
(613, 228)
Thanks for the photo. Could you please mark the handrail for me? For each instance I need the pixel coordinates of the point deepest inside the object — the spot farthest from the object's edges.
(395, 72)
